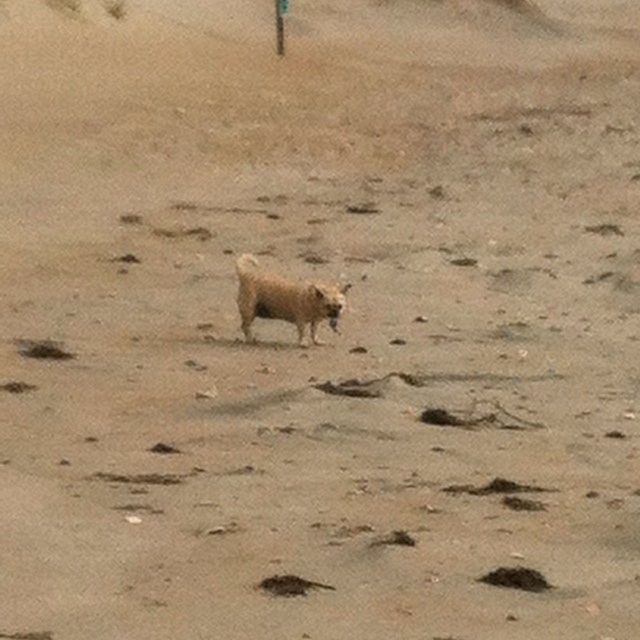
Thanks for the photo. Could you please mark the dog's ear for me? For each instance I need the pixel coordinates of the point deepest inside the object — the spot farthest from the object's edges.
(319, 293)
(345, 288)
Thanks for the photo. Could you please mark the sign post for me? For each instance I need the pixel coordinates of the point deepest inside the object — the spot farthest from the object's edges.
(282, 7)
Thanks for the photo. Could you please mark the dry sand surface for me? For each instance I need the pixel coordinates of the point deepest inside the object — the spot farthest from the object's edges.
(145, 144)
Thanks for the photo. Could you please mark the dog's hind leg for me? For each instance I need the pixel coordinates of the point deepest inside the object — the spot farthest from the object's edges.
(247, 316)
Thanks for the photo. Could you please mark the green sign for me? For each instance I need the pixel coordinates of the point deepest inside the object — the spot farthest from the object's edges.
(283, 6)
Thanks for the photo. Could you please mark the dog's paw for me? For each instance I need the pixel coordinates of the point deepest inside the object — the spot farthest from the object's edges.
(319, 343)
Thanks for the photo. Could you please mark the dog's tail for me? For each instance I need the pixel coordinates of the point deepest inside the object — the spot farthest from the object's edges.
(245, 262)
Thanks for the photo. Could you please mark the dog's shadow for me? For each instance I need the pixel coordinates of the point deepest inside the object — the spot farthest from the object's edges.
(238, 343)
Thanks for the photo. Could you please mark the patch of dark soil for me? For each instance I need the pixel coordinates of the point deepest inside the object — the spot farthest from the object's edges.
(512, 331)
(17, 387)
(517, 578)
(212, 209)
(398, 341)
(243, 471)
(312, 257)
(29, 635)
(200, 233)
(607, 275)
(131, 218)
(142, 478)
(127, 258)
(346, 531)
(497, 485)
(398, 537)
(164, 449)
(196, 366)
(408, 378)
(359, 260)
(615, 434)
(136, 508)
(363, 208)
(231, 527)
(442, 418)
(44, 350)
(286, 430)
(183, 205)
(289, 585)
(464, 262)
(605, 229)
(571, 110)
(500, 418)
(522, 504)
(358, 350)
(488, 378)
(352, 388)
(437, 192)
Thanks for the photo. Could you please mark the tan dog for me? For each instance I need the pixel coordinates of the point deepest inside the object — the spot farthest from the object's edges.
(265, 295)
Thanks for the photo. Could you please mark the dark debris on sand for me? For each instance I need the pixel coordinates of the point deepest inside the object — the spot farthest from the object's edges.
(500, 418)
(131, 218)
(497, 485)
(28, 635)
(351, 388)
(44, 350)
(442, 418)
(605, 229)
(165, 449)
(127, 258)
(200, 233)
(437, 192)
(517, 578)
(464, 262)
(313, 257)
(17, 387)
(364, 208)
(142, 478)
(523, 504)
(399, 537)
(289, 585)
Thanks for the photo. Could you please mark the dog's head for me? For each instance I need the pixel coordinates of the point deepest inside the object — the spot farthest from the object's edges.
(330, 301)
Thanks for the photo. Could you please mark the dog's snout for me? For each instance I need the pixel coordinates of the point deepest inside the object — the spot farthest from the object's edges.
(334, 310)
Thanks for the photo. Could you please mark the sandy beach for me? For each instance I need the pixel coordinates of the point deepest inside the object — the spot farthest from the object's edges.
(472, 168)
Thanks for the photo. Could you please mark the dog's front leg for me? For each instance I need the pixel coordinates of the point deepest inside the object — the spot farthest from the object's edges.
(314, 336)
(301, 331)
